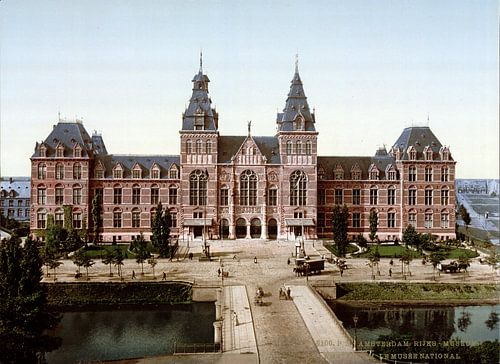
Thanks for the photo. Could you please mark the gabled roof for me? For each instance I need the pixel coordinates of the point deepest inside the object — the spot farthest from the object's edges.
(228, 146)
(67, 134)
(145, 161)
(418, 137)
(20, 185)
(329, 163)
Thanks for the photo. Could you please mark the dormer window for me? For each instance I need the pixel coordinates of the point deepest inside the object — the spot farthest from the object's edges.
(173, 173)
(391, 175)
(118, 172)
(445, 154)
(299, 123)
(99, 173)
(136, 173)
(199, 119)
(43, 151)
(355, 172)
(321, 173)
(77, 152)
(338, 173)
(155, 172)
(412, 153)
(60, 152)
(428, 153)
(374, 174)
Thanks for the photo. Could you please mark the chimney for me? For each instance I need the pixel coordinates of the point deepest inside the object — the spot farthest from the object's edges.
(10, 180)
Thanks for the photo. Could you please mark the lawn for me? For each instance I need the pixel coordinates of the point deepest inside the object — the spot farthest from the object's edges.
(351, 248)
(390, 251)
(458, 252)
(98, 252)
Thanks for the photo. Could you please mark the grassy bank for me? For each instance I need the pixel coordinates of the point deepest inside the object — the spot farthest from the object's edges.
(351, 248)
(81, 294)
(384, 291)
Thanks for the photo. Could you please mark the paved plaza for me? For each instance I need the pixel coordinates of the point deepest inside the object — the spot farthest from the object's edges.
(279, 330)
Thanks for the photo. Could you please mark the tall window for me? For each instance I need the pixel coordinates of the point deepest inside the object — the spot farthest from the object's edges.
(321, 197)
(155, 173)
(289, 147)
(356, 174)
(374, 174)
(444, 174)
(339, 196)
(77, 171)
(173, 219)
(198, 188)
(391, 219)
(224, 197)
(117, 219)
(41, 219)
(298, 147)
(308, 147)
(412, 219)
(59, 218)
(428, 174)
(42, 195)
(155, 195)
(356, 220)
(136, 218)
(373, 196)
(59, 171)
(42, 171)
(248, 188)
(412, 173)
(77, 220)
(59, 195)
(428, 220)
(189, 146)
(199, 146)
(391, 196)
(60, 152)
(77, 195)
(356, 196)
(444, 197)
(391, 175)
(445, 220)
(99, 173)
(172, 196)
(136, 195)
(272, 196)
(412, 196)
(428, 196)
(117, 195)
(298, 185)
(173, 173)
(209, 147)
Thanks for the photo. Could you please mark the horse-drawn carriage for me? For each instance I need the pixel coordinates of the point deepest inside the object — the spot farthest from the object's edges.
(308, 266)
(452, 267)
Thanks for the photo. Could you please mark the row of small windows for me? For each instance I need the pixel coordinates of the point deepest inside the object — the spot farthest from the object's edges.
(428, 174)
(299, 147)
(357, 222)
(42, 171)
(199, 147)
(10, 213)
(391, 174)
(391, 196)
(173, 173)
(10, 202)
(77, 152)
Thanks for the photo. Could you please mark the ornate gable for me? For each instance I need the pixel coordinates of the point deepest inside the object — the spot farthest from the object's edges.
(249, 153)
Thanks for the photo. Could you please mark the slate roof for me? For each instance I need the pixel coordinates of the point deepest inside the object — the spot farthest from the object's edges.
(296, 104)
(381, 161)
(418, 137)
(200, 102)
(98, 144)
(20, 185)
(109, 161)
(66, 134)
(228, 146)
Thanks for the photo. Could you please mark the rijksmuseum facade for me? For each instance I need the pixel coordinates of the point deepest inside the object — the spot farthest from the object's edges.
(230, 187)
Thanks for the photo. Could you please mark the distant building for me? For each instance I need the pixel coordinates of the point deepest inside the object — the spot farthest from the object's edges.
(15, 197)
(262, 187)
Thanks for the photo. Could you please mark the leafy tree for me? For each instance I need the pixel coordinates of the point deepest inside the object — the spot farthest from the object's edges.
(436, 258)
(339, 225)
(73, 241)
(139, 247)
(160, 231)
(78, 260)
(108, 259)
(152, 262)
(464, 214)
(464, 321)
(492, 321)
(406, 258)
(87, 263)
(96, 217)
(464, 259)
(373, 225)
(118, 260)
(362, 242)
(374, 259)
(54, 264)
(493, 259)
(410, 236)
(24, 317)
(56, 236)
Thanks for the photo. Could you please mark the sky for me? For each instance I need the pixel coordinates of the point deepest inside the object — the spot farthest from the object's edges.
(370, 68)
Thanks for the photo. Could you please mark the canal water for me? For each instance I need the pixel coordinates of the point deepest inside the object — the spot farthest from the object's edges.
(131, 332)
(470, 324)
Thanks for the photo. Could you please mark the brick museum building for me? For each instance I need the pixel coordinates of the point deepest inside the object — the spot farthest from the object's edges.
(246, 186)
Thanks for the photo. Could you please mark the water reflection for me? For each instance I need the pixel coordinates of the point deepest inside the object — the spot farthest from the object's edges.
(130, 333)
(472, 324)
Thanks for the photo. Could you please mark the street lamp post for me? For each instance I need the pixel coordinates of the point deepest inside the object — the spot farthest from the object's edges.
(355, 319)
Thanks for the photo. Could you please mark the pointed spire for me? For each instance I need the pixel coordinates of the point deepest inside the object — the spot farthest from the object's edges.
(201, 61)
(249, 127)
(297, 62)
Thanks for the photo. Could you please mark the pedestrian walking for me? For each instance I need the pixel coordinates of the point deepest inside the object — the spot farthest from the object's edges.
(218, 272)
(255, 260)
(288, 293)
(164, 276)
(190, 256)
(390, 272)
(288, 261)
(133, 274)
(341, 272)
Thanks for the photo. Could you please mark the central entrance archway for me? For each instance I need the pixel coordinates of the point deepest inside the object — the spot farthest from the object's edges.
(255, 228)
(224, 229)
(241, 228)
(272, 229)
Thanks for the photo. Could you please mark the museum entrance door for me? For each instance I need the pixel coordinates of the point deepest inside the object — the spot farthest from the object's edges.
(255, 229)
(272, 229)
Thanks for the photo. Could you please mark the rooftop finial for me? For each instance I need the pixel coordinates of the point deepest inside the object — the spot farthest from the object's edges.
(201, 61)
(297, 62)
(249, 127)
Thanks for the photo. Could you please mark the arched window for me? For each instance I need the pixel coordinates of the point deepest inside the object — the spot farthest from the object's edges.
(136, 218)
(445, 219)
(41, 219)
(444, 196)
(428, 219)
(41, 195)
(391, 218)
(198, 188)
(289, 147)
(428, 174)
(136, 194)
(77, 195)
(189, 146)
(59, 171)
(155, 194)
(248, 188)
(391, 195)
(42, 171)
(412, 195)
(77, 219)
(117, 218)
(373, 195)
(428, 196)
(77, 171)
(59, 217)
(199, 146)
(117, 194)
(209, 147)
(298, 185)
(298, 147)
(412, 218)
(444, 174)
(308, 147)
(412, 173)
